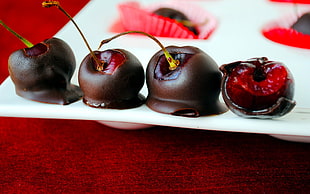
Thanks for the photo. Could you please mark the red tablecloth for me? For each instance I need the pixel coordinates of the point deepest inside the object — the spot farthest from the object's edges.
(70, 156)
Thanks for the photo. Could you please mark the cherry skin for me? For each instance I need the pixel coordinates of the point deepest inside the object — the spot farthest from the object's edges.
(258, 88)
(190, 90)
(116, 84)
(43, 72)
(176, 15)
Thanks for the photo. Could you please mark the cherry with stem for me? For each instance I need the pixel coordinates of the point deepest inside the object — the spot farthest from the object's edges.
(49, 66)
(48, 4)
(173, 64)
(100, 64)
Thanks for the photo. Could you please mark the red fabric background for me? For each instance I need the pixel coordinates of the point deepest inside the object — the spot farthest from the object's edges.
(70, 156)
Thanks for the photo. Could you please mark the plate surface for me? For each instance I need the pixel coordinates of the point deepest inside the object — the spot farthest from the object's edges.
(237, 37)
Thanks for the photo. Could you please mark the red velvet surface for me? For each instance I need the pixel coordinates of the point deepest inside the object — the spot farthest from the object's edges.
(71, 156)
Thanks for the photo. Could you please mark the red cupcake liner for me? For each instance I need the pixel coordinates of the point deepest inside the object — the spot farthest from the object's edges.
(292, 1)
(134, 17)
(281, 32)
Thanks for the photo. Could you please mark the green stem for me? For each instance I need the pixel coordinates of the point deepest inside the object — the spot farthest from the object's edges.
(25, 41)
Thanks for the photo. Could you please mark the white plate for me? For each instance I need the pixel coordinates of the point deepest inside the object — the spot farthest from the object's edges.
(237, 37)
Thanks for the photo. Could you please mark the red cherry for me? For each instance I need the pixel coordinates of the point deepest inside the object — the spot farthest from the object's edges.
(191, 89)
(37, 49)
(115, 84)
(108, 79)
(258, 88)
(163, 72)
(112, 60)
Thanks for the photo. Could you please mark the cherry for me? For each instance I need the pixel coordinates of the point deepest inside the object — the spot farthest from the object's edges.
(182, 81)
(258, 88)
(303, 24)
(163, 72)
(37, 49)
(43, 72)
(191, 89)
(108, 79)
(116, 85)
(178, 16)
(112, 60)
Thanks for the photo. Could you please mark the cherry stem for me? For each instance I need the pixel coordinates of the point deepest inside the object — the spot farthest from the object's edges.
(173, 64)
(25, 41)
(49, 4)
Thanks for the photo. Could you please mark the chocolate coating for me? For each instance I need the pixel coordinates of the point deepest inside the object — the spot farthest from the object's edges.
(267, 106)
(116, 90)
(303, 24)
(191, 90)
(43, 73)
(176, 15)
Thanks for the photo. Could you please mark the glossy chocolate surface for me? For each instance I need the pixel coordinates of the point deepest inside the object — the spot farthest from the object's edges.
(116, 88)
(176, 15)
(191, 90)
(43, 73)
(303, 24)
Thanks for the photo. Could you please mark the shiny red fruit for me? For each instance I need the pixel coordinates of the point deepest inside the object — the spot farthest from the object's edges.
(258, 88)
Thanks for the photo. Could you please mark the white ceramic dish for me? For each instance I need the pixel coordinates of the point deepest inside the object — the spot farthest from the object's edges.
(237, 37)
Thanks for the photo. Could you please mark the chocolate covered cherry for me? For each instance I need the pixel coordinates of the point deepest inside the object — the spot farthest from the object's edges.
(258, 88)
(181, 81)
(116, 84)
(191, 89)
(43, 72)
(178, 16)
(303, 24)
(109, 79)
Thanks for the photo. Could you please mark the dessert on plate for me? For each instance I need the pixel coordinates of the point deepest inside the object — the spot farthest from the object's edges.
(189, 89)
(42, 72)
(175, 19)
(292, 30)
(258, 88)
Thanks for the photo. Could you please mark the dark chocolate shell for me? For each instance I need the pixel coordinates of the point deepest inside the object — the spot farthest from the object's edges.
(116, 90)
(43, 73)
(191, 90)
(277, 107)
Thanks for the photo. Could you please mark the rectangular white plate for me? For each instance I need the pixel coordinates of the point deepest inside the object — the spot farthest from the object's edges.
(237, 37)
